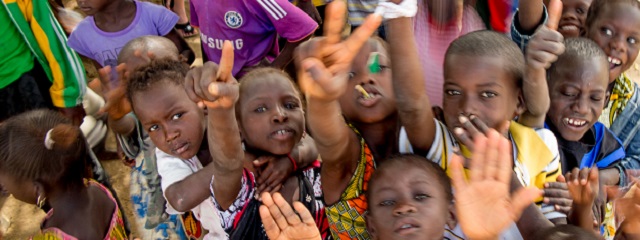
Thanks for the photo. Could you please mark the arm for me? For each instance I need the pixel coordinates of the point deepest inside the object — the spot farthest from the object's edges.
(286, 55)
(63, 66)
(308, 7)
(323, 85)
(530, 14)
(413, 104)
(183, 47)
(584, 187)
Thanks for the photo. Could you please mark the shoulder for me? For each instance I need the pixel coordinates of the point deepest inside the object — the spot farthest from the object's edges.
(52, 234)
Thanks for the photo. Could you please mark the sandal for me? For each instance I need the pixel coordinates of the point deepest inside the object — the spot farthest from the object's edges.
(187, 30)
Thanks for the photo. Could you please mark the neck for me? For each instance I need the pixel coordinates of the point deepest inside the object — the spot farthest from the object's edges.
(114, 11)
(68, 202)
(381, 136)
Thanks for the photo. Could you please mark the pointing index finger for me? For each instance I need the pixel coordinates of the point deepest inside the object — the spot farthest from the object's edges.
(334, 21)
(225, 71)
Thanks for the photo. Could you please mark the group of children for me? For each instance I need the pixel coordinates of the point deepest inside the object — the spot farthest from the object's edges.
(535, 136)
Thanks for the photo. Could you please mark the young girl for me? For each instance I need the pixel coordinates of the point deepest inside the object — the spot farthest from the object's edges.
(111, 24)
(42, 161)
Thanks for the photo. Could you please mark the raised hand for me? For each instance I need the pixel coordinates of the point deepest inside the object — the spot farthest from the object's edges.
(629, 207)
(214, 85)
(486, 194)
(282, 223)
(324, 62)
(473, 127)
(557, 194)
(116, 103)
(583, 185)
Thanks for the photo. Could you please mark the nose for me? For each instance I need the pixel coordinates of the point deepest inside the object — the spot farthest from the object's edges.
(618, 43)
(170, 134)
(580, 106)
(568, 15)
(404, 209)
(468, 106)
(280, 115)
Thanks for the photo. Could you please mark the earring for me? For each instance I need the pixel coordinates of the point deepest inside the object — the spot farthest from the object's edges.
(40, 202)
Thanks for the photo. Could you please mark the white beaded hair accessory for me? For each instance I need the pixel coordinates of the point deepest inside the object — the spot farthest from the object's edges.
(48, 142)
(390, 10)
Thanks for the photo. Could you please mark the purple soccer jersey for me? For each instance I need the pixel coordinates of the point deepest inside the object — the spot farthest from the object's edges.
(252, 26)
(103, 47)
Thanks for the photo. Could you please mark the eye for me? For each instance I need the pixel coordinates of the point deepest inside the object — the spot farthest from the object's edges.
(569, 94)
(153, 128)
(290, 105)
(580, 10)
(488, 94)
(387, 203)
(260, 109)
(352, 75)
(421, 197)
(453, 92)
(176, 116)
(631, 40)
(383, 68)
(596, 98)
(607, 31)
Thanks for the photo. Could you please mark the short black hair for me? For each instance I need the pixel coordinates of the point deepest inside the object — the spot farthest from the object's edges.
(26, 155)
(486, 43)
(159, 70)
(259, 74)
(578, 49)
(598, 5)
(412, 161)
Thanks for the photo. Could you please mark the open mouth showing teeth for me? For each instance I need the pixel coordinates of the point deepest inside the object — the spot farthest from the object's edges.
(406, 226)
(569, 28)
(574, 122)
(614, 62)
(281, 132)
(364, 94)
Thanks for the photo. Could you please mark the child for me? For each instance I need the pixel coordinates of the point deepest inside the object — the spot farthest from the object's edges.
(146, 195)
(615, 27)
(574, 13)
(42, 161)
(270, 122)
(253, 28)
(114, 23)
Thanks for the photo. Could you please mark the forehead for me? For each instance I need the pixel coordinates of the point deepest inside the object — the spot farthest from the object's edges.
(465, 70)
(404, 174)
(366, 50)
(269, 86)
(593, 72)
(576, 3)
(620, 11)
(159, 99)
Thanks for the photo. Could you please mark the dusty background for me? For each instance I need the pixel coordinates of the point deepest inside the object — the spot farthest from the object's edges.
(19, 220)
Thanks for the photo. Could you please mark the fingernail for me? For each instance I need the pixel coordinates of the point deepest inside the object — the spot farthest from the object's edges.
(472, 117)
(462, 119)
(458, 131)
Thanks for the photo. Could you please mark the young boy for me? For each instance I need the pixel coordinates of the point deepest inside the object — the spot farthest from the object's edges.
(253, 28)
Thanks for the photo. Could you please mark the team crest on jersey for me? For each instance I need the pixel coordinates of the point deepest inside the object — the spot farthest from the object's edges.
(233, 19)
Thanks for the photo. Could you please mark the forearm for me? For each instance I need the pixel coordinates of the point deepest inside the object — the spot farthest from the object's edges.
(413, 104)
(536, 97)
(328, 128)
(582, 216)
(305, 152)
(286, 55)
(610, 176)
(188, 193)
(226, 151)
(530, 14)
(123, 125)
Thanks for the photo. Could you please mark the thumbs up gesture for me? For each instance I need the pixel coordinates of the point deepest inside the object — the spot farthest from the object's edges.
(324, 62)
(213, 84)
(547, 43)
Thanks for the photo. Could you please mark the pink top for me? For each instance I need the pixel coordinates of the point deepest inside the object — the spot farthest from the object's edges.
(116, 228)
(432, 43)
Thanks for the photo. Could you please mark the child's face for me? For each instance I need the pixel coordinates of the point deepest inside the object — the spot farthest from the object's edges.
(617, 31)
(577, 91)
(479, 86)
(91, 7)
(407, 203)
(271, 115)
(381, 103)
(20, 189)
(175, 123)
(574, 12)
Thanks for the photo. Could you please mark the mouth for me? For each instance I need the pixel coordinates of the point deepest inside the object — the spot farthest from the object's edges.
(85, 9)
(406, 228)
(282, 134)
(180, 148)
(569, 28)
(367, 97)
(614, 62)
(575, 123)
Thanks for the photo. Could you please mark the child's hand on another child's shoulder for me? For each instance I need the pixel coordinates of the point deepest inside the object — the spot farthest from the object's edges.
(272, 172)
(486, 194)
(213, 84)
(324, 62)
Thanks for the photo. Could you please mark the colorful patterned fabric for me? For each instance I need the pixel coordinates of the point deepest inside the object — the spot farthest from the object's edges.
(116, 227)
(622, 91)
(346, 217)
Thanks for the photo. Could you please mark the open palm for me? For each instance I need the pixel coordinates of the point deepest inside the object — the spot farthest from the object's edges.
(282, 223)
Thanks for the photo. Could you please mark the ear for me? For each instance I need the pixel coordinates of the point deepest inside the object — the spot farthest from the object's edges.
(521, 106)
(370, 226)
(451, 219)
